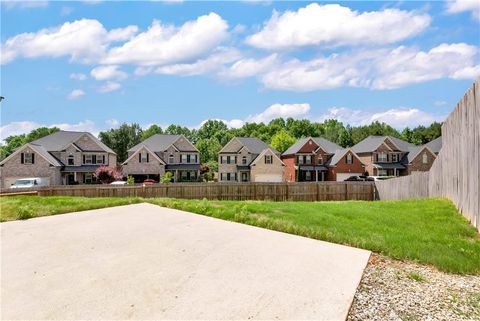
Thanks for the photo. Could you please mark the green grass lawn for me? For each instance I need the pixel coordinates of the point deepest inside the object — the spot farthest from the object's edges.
(429, 231)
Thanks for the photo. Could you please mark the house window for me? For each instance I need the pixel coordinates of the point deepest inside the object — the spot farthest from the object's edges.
(308, 176)
(349, 159)
(244, 160)
(170, 159)
(394, 158)
(28, 158)
(382, 157)
(144, 157)
(268, 159)
(71, 160)
(100, 159)
(88, 178)
(308, 159)
(382, 172)
(320, 160)
(425, 158)
(300, 160)
(228, 176)
(88, 159)
(184, 159)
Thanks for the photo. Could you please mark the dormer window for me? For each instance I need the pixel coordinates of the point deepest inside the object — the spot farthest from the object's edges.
(71, 160)
(349, 158)
(425, 158)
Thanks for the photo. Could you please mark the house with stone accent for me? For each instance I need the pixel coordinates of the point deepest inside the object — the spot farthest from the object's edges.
(315, 159)
(391, 156)
(248, 159)
(62, 158)
(163, 153)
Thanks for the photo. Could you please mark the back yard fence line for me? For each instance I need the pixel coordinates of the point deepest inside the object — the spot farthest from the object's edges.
(455, 174)
(321, 191)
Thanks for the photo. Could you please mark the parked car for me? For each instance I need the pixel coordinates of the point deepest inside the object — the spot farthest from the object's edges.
(29, 182)
(355, 179)
(118, 183)
(149, 181)
(379, 178)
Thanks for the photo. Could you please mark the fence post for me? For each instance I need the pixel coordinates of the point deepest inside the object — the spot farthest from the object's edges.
(346, 191)
(318, 192)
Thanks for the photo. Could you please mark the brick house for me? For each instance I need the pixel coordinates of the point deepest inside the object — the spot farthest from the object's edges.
(163, 153)
(317, 159)
(391, 156)
(62, 158)
(248, 159)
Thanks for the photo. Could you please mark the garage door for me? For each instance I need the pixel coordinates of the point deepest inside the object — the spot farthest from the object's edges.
(269, 178)
(343, 176)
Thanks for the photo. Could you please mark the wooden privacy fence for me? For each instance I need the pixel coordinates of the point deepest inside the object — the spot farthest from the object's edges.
(455, 174)
(321, 191)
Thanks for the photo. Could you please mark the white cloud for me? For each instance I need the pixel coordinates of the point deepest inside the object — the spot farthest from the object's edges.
(108, 72)
(75, 94)
(78, 76)
(457, 6)
(440, 103)
(280, 110)
(109, 86)
(112, 123)
(335, 25)
(396, 117)
(214, 62)
(82, 40)
(24, 127)
(249, 67)
(165, 44)
(377, 69)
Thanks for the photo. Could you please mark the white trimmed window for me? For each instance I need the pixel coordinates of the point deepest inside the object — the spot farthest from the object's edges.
(244, 160)
(349, 158)
(88, 159)
(143, 157)
(382, 172)
(170, 159)
(425, 158)
(71, 160)
(100, 159)
(382, 157)
(308, 159)
(320, 160)
(394, 158)
(268, 159)
(28, 158)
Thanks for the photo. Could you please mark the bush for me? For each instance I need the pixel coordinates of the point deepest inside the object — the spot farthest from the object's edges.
(106, 175)
(130, 180)
(167, 177)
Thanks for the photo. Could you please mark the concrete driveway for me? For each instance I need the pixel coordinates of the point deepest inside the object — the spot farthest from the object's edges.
(147, 262)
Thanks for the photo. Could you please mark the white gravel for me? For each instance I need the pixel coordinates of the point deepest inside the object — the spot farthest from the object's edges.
(396, 290)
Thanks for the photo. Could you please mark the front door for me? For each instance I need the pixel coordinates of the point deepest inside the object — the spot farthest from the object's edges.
(70, 179)
(244, 177)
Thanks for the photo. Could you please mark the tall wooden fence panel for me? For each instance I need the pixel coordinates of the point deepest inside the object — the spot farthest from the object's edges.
(321, 191)
(455, 174)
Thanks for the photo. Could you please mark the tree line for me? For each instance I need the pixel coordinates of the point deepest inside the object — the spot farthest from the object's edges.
(214, 134)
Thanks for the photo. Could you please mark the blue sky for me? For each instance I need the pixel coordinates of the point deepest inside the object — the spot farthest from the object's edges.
(93, 65)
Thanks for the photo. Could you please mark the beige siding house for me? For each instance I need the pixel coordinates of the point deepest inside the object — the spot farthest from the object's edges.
(163, 153)
(248, 159)
(62, 158)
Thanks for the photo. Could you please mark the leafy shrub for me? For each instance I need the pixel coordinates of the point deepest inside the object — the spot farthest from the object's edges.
(167, 177)
(106, 174)
(130, 180)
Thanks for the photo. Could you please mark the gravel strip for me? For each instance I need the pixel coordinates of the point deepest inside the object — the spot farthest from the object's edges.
(396, 290)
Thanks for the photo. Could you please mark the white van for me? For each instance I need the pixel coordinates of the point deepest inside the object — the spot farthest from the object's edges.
(30, 182)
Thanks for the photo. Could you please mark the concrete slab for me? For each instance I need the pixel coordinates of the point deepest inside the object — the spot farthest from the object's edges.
(147, 262)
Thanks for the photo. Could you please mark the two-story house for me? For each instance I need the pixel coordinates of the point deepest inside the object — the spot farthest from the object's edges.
(391, 156)
(248, 159)
(314, 159)
(163, 153)
(62, 158)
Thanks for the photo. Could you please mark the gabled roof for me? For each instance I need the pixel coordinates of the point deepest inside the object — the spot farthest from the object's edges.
(159, 143)
(263, 152)
(326, 145)
(414, 151)
(60, 140)
(371, 143)
(339, 154)
(155, 155)
(435, 145)
(40, 150)
(252, 144)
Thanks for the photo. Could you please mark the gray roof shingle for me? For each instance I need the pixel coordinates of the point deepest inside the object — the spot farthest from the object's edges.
(59, 140)
(326, 145)
(435, 145)
(255, 145)
(157, 142)
(371, 143)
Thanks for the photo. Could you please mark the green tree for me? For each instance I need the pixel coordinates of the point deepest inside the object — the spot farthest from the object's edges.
(179, 130)
(282, 140)
(209, 149)
(166, 178)
(15, 141)
(345, 138)
(150, 131)
(122, 139)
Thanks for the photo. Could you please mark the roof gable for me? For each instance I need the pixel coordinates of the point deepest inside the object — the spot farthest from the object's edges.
(339, 154)
(372, 143)
(264, 152)
(161, 142)
(326, 145)
(37, 149)
(143, 147)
